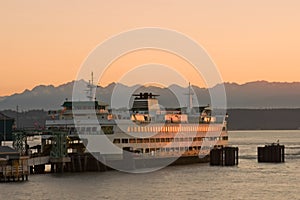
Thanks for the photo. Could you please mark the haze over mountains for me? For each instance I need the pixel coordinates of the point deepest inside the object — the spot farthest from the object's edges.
(259, 94)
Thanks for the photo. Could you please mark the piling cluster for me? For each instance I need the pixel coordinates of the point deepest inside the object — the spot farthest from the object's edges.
(273, 153)
(225, 156)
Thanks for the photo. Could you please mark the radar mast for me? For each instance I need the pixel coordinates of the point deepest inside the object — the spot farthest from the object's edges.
(90, 87)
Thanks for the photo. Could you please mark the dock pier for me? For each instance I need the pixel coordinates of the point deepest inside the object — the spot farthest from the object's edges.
(53, 151)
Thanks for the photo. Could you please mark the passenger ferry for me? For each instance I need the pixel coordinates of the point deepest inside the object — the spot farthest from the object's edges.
(145, 132)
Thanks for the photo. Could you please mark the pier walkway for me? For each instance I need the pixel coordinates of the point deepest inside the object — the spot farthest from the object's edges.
(41, 160)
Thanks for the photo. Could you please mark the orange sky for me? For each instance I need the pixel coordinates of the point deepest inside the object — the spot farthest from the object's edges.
(45, 42)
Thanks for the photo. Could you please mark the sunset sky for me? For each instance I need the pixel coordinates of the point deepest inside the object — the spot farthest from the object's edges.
(45, 42)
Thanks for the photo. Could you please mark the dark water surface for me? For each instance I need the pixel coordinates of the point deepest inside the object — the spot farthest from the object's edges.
(249, 180)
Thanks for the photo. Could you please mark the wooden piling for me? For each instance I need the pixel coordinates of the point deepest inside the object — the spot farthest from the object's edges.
(79, 163)
(85, 162)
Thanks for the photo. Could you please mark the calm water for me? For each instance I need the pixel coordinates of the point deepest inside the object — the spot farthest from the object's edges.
(250, 180)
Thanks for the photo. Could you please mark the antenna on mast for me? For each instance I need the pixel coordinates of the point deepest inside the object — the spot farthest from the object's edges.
(90, 87)
(190, 99)
(92, 74)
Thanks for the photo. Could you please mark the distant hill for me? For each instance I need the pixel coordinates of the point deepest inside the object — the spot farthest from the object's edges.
(259, 94)
(28, 119)
(264, 119)
(263, 94)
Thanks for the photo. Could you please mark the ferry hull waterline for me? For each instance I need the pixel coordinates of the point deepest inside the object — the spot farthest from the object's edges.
(144, 138)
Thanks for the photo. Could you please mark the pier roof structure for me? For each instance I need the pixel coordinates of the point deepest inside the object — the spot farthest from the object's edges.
(9, 153)
(4, 117)
(6, 127)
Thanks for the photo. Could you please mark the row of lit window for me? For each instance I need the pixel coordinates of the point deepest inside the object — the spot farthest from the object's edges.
(165, 129)
(173, 129)
(84, 107)
(170, 149)
(87, 129)
(162, 140)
